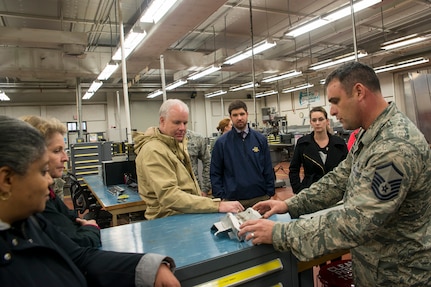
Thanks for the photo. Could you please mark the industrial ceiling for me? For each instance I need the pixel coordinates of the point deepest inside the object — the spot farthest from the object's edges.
(48, 47)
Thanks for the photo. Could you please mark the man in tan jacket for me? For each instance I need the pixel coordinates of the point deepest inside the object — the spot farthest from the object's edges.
(165, 176)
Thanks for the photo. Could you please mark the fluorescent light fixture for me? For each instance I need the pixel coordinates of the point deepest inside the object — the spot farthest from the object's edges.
(216, 93)
(331, 17)
(132, 40)
(95, 86)
(204, 72)
(175, 84)
(243, 86)
(157, 9)
(258, 48)
(266, 93)
(154, 94)
(3, 96)
(404, 41)
(108, 71)
(297, 88)
(399, 65)
(314, 24)
(286, 75)
(338, 60)
(93, 89)
(87, 95)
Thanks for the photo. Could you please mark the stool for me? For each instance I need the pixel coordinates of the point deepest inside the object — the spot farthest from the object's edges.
(337, 274)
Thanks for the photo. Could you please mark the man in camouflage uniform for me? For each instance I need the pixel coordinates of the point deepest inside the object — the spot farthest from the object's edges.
(385, 187)
(198, 149)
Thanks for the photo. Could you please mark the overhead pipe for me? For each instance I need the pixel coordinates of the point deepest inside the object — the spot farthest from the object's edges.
(124, 75)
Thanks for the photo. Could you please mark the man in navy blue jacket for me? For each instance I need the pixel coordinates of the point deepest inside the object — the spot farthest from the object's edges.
(241, 167)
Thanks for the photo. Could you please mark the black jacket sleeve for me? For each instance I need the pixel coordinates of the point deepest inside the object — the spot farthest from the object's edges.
(59, 215)
(101, 268)
(294, 168)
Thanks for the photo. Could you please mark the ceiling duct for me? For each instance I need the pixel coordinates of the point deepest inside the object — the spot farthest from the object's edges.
(74, 50)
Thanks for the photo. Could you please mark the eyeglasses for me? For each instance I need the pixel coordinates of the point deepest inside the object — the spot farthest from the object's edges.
(319, 119)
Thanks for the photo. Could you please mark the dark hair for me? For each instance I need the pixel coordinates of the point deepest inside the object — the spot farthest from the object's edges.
(319, 109)
(354, 72)
(237, 104)
(21, 144)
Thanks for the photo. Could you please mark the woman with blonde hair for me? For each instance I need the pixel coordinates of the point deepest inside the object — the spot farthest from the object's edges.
(82, 231)
(53, 131)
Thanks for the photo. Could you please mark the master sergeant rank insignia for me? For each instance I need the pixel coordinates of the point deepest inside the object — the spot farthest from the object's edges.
(386, 181)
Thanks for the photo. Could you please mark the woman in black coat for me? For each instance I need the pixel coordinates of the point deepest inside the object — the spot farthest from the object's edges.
(85, 233)
(318, 152)
(33, 252)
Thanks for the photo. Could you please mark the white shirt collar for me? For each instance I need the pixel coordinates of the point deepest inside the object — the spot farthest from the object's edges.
(4, 225)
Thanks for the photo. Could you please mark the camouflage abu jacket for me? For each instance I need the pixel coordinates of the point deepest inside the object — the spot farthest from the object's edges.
(385, 186)
(198, 149)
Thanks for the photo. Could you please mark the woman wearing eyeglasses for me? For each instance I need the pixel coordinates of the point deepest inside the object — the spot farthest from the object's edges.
(318, 152)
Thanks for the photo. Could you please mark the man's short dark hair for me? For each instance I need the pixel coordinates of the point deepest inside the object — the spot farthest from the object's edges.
(354, 72)
(237, 104)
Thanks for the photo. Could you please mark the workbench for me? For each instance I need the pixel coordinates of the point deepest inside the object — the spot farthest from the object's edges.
(110, 202)
(200, 256)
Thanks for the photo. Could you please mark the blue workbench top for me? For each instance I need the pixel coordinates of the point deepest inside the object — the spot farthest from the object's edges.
(187, 238)
(107, 199)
